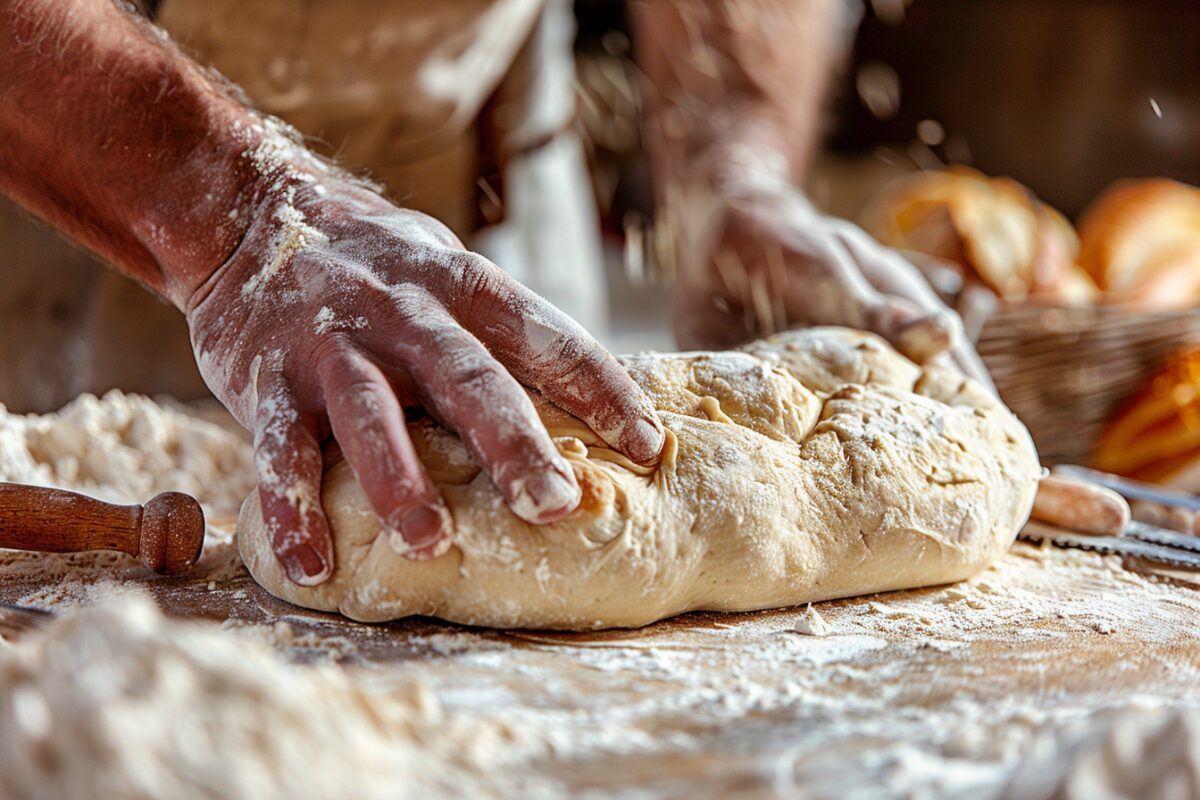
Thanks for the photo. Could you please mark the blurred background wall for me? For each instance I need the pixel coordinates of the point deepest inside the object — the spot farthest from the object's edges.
(1055, 93)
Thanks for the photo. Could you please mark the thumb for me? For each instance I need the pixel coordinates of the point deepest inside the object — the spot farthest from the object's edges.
(917, 334)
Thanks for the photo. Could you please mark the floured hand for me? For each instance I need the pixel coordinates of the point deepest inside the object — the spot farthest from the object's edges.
(315, 306)
(772, 262)
(338, 310)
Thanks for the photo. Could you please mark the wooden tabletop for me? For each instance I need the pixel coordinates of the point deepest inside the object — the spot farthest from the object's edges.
(931, 690)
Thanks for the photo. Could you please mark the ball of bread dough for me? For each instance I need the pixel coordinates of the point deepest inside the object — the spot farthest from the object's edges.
(813, 465)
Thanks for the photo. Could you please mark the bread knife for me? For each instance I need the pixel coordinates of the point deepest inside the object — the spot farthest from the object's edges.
(1146, 532)
(1158, 549)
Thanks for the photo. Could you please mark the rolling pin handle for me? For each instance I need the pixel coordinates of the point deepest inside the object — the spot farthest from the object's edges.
(171, 533)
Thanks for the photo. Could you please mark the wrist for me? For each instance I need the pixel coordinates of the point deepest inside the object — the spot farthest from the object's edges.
(743, 172)
(250, 200)
(755, 158)
(737, 159)
(291, 201)
(196, 211)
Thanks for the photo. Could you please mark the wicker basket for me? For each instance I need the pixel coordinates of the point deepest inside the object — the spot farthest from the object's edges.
(1065, 371)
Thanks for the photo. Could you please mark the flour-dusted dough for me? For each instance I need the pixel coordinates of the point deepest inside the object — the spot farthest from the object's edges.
(813, 465)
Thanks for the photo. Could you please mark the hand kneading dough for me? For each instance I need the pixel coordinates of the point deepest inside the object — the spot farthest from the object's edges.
(813, 465)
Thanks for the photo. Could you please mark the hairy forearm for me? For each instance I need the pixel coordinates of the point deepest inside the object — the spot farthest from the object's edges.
(110, 134)
(735, 81)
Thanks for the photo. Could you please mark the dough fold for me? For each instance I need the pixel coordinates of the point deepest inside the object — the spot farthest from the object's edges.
(812, 465)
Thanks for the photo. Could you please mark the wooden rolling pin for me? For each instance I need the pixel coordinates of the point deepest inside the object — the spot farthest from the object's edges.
(166, 534)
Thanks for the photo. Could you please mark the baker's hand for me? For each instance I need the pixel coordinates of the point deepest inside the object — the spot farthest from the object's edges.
(337, 311)
(769, 261)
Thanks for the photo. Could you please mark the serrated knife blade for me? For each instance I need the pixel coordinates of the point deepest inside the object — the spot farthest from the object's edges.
(1115, 545)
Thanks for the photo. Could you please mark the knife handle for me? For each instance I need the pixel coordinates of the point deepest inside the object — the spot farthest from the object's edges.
(1080, 506)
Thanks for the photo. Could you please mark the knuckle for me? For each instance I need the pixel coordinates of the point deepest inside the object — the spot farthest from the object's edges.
(348, 377)
(574, 368)
(334, 344)
(358, 405)
(276, 418)
(481, 283)
(469, 371)
(410, 488)
(431, 227)
(359, 387)
(409, 306)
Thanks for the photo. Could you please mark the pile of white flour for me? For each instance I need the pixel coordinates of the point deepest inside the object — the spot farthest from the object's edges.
(126, 449)
(1130, 752)
(116, 702)
(1054, 674)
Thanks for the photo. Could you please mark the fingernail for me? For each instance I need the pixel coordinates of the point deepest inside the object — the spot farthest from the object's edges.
(643, 440)
(420, 531)
(427, 553)
(924, 337)
(545, 497)
(304, 565)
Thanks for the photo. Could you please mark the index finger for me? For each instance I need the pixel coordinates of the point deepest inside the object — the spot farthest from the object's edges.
(544, 348)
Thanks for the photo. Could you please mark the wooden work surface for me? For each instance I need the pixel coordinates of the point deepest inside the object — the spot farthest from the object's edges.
(929, 691)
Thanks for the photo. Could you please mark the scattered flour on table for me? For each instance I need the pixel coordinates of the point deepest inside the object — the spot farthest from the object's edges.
(117, 702)
(1030, 586)
(913, 694)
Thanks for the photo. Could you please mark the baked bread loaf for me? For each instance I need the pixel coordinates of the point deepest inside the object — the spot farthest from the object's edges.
(813, 465)
(1156, 436)
(995, 229)
(1140, 242)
